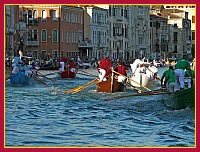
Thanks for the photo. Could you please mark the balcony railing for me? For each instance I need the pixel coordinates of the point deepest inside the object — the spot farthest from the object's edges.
(84, 44)
(32, 43)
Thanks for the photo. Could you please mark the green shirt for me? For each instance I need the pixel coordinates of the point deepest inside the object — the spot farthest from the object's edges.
(166, 72)
(171, 77)
(183, 64)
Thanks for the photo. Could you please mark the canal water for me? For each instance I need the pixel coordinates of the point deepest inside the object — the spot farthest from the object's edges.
(37, 116)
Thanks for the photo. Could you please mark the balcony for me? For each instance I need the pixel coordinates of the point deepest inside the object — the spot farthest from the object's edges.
(119, 18)
(85, 44)
(32, 21)
(142, 46)
(32, 43)
(100, 45)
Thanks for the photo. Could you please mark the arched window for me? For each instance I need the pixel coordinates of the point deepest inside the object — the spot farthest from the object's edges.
(35, 35)
(55, 36)
(35, 14)
(44, 36)
(44, 15)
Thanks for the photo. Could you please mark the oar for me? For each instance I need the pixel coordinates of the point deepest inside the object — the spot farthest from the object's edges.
(80, 88)
(138, 94)
(87, 73)
(42, 75)
(85, 86)
(134, 88)
(8, 78)
(50, 73)
(133, 81)
(39, 80)
(157, 76)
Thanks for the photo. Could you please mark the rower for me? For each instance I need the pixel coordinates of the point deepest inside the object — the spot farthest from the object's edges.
(182, 65)
(171, 80)
(123, 70)
(104, 68)
(164, 75)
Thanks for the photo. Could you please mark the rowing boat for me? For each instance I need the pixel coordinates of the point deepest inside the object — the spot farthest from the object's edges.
(180, 100)
(139, 78)
(142, 75)
(67, 74)
(19, 78)
(110, 86)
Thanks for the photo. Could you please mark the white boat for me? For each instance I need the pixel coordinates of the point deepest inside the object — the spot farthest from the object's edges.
(139, 79)
(146, 78)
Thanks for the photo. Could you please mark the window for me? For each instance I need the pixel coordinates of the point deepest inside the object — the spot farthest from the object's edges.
(30, 17)
(44, 36)
(175, 49)
(193, 35)
(54, 17)
(55, 36)
(175, 36)
(193, 19)
(67, 37)
(44, 15)
(35, 14)
(35, 36)
(24, 16)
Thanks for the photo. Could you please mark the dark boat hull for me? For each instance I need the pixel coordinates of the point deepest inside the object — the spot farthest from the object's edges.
(19, 78)
(106, 86)
(180, 100)
(67, 74)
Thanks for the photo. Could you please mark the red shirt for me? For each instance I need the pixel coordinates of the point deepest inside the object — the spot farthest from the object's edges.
(63, 60)
(121, 69)
(71, 65)
(105, 64)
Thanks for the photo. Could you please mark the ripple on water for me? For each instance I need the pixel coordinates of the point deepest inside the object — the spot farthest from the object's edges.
(35, 117)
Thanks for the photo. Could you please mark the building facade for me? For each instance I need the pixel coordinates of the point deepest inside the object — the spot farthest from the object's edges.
(139, 32)
(191, 9)
(10, 22)
(95, 32)
(52, 31)
(118, 31)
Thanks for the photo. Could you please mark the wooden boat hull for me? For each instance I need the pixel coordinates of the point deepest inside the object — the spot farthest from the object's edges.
(105, 86)
(19, 78)
(180, 100)
(67, 74)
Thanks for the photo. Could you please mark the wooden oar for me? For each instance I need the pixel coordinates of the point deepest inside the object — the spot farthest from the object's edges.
(50, 73)
(39, 80)
(157, 76)
(133, 87)
(42, 75)
(133, 81)
(80, 88)
(8, 78)
(87, 73)
(138, 94)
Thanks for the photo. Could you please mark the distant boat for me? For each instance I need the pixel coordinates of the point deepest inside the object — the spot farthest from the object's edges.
(67, 74)
(110, 86)
(180, 100)
(84, 65)
(19, 78)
